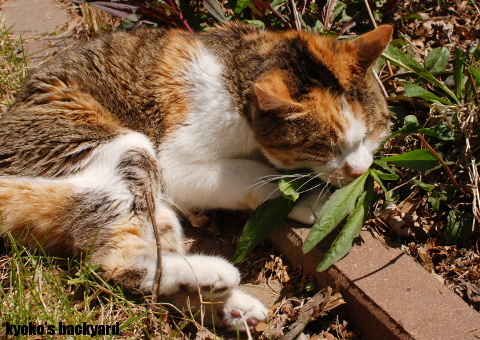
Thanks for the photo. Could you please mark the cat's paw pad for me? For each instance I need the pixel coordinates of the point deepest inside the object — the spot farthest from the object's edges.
(213, 274)
(240, 311)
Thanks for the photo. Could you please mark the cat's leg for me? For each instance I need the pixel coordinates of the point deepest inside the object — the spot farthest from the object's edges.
(224, 183)
(211, 277)
(102, 210)
(231, 184)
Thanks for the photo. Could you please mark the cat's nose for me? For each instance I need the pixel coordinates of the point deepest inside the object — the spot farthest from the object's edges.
(353, 171)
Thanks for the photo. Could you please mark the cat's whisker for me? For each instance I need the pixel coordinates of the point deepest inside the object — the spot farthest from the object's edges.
(271, 178)
(314, 187)
(306, 183)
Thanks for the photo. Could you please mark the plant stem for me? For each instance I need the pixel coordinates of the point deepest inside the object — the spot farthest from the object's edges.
(370, 14)
(444, 165)
(180, 15)
(158, 272)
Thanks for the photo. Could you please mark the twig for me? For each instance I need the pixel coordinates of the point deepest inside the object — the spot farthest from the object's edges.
(327, 14)
(466, 157)
(444, 165)
(158, 272)
(370, 13)
(380, 83)
(374, 23)
(245, 324)
(473, 85)
(294, 18)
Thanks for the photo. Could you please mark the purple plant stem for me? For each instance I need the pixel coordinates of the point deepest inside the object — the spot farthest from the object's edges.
(180, 15)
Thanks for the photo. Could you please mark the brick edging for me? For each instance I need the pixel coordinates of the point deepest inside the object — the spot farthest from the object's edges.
(388, 295)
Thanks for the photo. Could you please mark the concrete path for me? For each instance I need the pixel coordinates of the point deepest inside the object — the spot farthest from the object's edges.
(43, 25)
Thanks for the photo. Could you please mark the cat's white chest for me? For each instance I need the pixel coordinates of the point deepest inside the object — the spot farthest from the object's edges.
(213, 128)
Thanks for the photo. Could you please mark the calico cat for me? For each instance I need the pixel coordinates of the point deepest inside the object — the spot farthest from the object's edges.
(194, 120)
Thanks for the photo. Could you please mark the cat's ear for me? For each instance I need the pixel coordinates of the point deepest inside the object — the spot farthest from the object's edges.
(272, 94)
(371, 45)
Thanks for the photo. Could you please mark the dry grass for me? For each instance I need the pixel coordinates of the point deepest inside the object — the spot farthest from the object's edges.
(13, 66)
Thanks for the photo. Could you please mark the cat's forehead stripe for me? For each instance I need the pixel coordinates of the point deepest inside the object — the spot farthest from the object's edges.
(355, 129)
(310, 71)
(338, 57)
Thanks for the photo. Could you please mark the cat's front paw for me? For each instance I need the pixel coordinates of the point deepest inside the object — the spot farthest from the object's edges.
(191, 272)
(239, 311)
(303, 213)
(308, 208)
(212, 274)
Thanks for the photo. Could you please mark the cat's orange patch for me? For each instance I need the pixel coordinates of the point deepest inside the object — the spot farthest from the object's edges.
(30, 212)
(172, 72)
(349, 60)
(340, 58)
(59, 98)
(326, 107)
(287, 159)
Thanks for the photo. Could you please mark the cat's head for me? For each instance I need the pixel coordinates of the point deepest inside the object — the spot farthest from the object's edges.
(319, 106)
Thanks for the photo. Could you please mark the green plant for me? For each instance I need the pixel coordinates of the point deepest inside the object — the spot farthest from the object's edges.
(46, 292)
(352, 202)
(277, 14)
(450, 91)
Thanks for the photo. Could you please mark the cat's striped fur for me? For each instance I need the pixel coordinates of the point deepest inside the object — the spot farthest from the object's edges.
(195, 120)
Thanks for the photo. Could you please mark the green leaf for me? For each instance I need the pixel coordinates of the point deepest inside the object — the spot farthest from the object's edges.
(350, 231)
(411, 125)
(240, 6)
(436, 199)
(414, 90)
(411, 16)
(424, 186)
(419, 160)
(437, 60)
(340, 204)
(440, 131)
(263, 220)
(77, 280)
(215, 9)
(389, 175)
(388, 194)
(475, 73)
(291, 187)
(258, 23)
(458, 72)
(459, 227)
(403, 60)
(383, 175)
